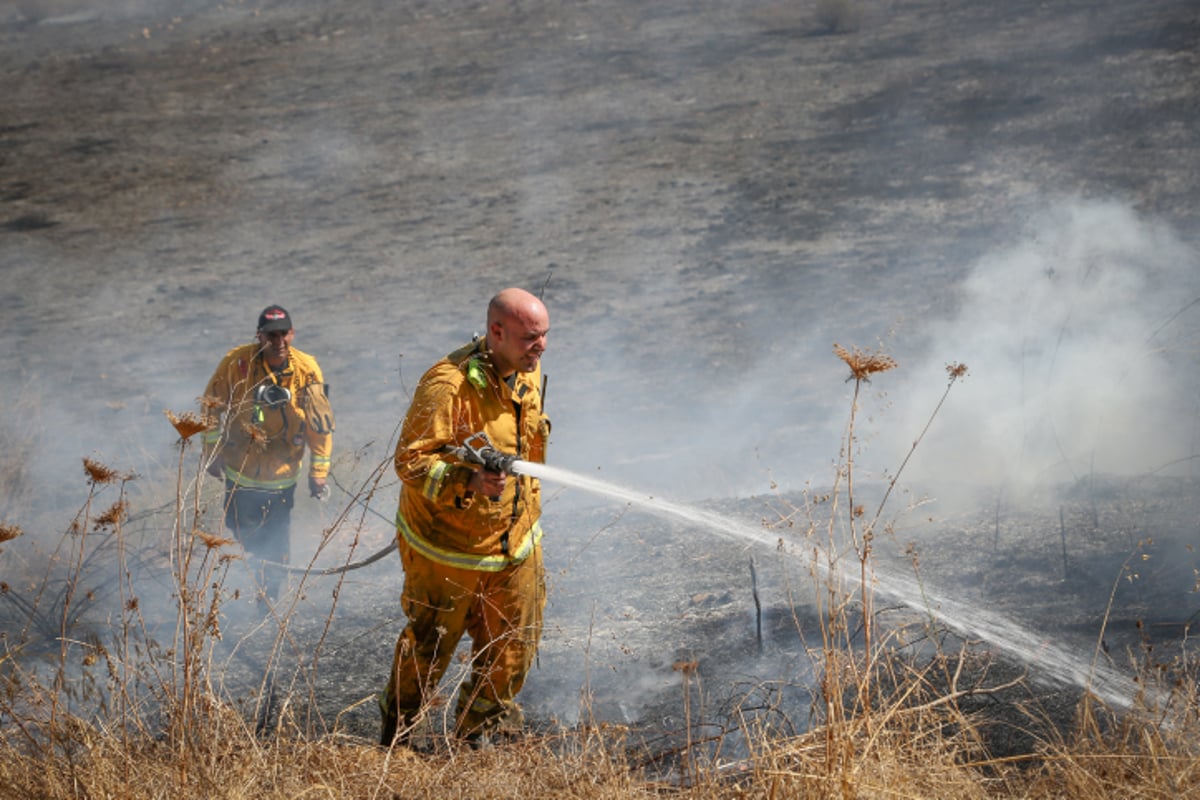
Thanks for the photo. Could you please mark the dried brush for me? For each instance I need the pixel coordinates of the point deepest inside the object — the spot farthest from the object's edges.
(189, 424)
(863, 364)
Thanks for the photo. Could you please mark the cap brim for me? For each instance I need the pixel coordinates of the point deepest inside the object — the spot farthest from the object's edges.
(275, 326)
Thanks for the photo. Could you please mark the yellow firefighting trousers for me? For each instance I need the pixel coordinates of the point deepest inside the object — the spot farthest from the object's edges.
(501, 612)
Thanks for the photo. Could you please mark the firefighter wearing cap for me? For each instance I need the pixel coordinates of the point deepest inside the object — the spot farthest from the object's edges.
(272, 402)
(470, 539)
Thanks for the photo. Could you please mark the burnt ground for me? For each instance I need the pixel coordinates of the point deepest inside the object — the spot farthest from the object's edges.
(658, 624)
(708, 193)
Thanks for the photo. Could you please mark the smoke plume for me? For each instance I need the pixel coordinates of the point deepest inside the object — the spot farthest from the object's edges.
(1079, 337)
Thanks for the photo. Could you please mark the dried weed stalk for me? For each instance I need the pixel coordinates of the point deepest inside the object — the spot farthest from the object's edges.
(114, 515)
(864, 363)
(211, 540)
(189, 424)
(99, 473)
(256, 435)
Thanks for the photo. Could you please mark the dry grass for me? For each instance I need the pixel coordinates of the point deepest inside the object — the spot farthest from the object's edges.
(112, 714)
(914, 752)
(239, 766)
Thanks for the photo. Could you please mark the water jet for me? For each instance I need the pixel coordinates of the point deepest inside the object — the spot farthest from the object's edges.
(1051, 663)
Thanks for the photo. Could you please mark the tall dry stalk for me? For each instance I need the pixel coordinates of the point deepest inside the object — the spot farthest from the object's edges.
(862, 366)
(845, 677)
(68, 615)
(197, 598)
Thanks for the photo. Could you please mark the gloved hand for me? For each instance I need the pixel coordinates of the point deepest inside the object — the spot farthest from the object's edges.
(318, 488)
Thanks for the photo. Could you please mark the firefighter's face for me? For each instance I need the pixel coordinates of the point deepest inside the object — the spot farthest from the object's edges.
(519, 339)
(276, 345)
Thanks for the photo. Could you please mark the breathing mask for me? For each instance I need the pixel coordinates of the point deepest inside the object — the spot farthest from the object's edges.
(271, 396)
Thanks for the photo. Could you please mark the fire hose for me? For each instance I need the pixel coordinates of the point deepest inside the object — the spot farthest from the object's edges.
(477, 449)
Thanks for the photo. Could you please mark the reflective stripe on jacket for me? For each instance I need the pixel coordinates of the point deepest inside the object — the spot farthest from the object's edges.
(492, 563)
(460, 396)
(262, 445)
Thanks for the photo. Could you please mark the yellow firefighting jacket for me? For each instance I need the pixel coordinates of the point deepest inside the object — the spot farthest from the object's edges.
(460, 396)
(262, 444)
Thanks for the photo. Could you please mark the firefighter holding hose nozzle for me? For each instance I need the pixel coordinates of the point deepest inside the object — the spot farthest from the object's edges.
(469, 535)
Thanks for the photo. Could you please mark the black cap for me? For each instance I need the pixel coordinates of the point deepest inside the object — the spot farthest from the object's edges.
(274, 318)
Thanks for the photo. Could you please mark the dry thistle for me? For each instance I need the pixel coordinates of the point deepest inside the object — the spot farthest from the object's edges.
(213, 623)
(257, 435)
(99, 473)
(864, 364)
(9, 532)
(188, 425)
(956, 370)
(113, 516)
(211, 540)
(210, 403)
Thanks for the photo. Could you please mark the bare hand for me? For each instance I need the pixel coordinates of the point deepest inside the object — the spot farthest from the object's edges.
(487, 483)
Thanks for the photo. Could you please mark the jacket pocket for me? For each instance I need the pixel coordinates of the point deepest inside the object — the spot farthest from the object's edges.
(318, 412)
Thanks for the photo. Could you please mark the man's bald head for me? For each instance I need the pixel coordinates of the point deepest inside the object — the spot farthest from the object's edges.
(517, 324)
(514, 302)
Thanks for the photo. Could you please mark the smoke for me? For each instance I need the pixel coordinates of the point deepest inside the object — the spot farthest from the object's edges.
(1079, 336)
(694, 384)
(1078, 330)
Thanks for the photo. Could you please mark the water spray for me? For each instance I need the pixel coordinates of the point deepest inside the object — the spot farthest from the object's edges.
(1059, 665)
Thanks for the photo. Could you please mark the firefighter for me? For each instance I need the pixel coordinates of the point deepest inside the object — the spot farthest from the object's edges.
(469, 537)
(273, 402)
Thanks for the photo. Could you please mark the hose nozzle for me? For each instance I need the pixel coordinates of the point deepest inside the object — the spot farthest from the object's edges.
(480, 450)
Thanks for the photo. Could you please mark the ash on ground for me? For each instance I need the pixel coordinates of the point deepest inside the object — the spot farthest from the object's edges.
(670, 630)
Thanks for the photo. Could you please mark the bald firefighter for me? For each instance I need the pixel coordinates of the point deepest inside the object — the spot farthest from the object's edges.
(273, 403)
(469, 536)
